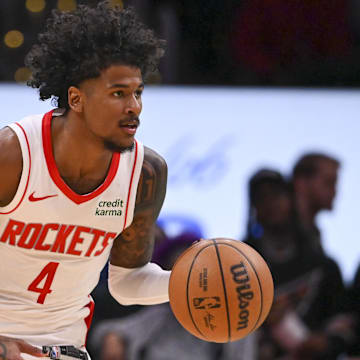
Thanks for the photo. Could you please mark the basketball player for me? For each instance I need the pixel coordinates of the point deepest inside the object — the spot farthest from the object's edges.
(76, 188)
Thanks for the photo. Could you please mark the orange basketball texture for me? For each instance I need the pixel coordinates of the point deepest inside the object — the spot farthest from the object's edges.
(220, 290)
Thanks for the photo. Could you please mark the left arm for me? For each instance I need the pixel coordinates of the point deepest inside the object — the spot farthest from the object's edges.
(132, 279)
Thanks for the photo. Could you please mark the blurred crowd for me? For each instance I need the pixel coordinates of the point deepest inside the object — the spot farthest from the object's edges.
(228, 42)
(315, 314)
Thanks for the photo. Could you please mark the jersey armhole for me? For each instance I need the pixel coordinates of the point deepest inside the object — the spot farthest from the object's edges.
(25, 174)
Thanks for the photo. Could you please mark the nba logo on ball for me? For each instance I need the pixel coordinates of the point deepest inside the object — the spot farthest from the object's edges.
(207, 302)
(220, 290)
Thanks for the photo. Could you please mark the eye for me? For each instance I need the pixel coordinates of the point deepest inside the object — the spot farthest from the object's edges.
(138, 94)
(118, 93)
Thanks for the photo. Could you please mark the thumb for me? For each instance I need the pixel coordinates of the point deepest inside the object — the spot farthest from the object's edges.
(26, 348)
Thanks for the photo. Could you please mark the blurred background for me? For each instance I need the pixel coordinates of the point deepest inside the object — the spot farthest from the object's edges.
(228, 42)
(244, 85)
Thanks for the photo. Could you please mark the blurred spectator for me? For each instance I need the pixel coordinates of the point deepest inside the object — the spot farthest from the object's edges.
(307, 320)
(354, 295)
(113, 347)
(153, 333)
(314, 179)
(297, 42)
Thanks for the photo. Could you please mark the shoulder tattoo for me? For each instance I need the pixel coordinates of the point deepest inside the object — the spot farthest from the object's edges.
(152, 183)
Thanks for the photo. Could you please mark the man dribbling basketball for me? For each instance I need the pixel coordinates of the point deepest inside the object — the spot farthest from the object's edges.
(76, 187)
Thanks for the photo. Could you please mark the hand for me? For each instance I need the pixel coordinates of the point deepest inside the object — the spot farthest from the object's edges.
(11, 349)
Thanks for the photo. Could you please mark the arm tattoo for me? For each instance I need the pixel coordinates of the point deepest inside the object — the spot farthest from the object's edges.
(145, 195)
(134, 246)
(3, 351)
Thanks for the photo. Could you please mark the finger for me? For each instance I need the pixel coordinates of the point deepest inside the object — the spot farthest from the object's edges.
(31, 350)
(33, 355)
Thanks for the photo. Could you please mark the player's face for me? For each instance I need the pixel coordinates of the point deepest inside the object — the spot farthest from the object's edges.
(112, 105)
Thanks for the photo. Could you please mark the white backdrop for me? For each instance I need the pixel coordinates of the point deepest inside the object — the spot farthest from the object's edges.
(214, 138)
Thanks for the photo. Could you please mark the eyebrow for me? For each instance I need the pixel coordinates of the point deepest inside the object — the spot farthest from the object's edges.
(124, 86)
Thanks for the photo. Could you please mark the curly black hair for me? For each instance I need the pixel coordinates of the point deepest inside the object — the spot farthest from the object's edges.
(78, 45)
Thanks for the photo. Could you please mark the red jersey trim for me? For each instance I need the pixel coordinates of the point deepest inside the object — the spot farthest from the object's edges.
(28, 177)
(88, 319)
(131, 182)
(54, 172)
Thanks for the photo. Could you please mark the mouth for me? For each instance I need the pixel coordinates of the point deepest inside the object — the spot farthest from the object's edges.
(129, 126)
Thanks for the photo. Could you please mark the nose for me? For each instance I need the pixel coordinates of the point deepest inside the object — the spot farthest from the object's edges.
(133, 105)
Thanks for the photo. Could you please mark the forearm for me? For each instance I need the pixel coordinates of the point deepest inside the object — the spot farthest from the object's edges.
(146, 285)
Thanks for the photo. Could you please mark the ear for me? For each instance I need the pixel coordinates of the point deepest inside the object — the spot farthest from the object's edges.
(75, 99)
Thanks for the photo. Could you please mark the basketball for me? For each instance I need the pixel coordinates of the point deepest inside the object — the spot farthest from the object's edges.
(220, 290)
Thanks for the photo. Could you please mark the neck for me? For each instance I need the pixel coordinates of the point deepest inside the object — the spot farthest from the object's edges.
(78, 153)
(280, 237)
(282, 230)
(305, 212)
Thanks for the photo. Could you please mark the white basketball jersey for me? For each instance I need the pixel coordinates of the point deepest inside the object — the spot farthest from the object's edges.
(54, 242)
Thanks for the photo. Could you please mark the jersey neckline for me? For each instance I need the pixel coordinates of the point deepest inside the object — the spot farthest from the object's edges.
(54, 172)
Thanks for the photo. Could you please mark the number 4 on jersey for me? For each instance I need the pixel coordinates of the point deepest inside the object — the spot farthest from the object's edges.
(47, 273)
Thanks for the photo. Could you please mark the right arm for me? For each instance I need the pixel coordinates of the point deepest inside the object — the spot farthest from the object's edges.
(10, 174)
(10, 165)
(133, 278)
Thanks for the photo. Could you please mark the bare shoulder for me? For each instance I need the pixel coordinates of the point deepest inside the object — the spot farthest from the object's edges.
(10, 165)
(152, 183)
(153, 159)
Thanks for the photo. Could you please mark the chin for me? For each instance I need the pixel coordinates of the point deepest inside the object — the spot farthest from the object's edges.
(110, 145)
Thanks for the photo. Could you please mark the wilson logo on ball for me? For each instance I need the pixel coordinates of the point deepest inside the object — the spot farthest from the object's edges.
(212, 302)
(244, 293)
